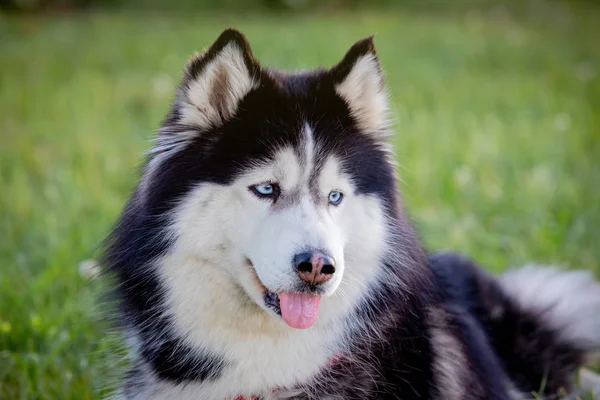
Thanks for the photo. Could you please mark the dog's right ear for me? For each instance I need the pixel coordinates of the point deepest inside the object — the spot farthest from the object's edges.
(216, 81)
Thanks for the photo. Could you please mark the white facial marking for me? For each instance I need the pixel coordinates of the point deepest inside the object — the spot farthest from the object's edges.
(214, 297)
(286, 170)
(309, 151)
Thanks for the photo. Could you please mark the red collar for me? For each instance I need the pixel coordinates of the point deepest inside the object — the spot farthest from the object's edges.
(331, 362)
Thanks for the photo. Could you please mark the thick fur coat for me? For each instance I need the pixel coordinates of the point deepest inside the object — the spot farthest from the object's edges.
(265, 254)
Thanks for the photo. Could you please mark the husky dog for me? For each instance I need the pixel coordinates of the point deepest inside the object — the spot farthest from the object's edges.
(265, 254)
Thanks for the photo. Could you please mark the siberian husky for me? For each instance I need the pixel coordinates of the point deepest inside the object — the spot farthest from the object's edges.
(265, 254)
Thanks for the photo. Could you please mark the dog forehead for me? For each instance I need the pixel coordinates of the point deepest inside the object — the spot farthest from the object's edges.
(306, 163)
(296, 127)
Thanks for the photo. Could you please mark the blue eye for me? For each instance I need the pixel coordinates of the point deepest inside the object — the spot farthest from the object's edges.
(269, 190)
(335, 197)
(264, 189)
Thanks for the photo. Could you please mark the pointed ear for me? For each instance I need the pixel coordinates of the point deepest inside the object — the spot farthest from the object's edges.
(358, 80)
(217, 80)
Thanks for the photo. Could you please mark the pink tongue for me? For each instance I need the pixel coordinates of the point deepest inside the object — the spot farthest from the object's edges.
(299, 310)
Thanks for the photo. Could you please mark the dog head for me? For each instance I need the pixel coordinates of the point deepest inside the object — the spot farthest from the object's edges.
(277, 187)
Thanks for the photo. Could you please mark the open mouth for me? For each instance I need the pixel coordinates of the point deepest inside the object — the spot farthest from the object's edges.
(298, 310)
(272, 301)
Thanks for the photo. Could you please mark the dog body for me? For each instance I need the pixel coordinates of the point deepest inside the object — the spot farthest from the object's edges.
(265, 254)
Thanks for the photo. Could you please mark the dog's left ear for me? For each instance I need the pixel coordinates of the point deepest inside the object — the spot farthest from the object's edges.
(217, 80)
(358, 80)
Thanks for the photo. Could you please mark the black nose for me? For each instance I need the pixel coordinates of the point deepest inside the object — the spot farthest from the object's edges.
(314, 267)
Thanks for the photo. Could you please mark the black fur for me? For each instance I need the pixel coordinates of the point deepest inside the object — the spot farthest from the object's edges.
(405, 357)
(269, 118)
(136, 241)
(530, 352)
(511, 348)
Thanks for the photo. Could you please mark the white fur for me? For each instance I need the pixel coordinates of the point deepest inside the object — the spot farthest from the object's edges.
(363, 91)
(309, 150)
(215, 299)
(569, 301)
(198, 109)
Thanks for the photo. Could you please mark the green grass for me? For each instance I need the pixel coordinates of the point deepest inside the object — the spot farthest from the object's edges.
(498, 141)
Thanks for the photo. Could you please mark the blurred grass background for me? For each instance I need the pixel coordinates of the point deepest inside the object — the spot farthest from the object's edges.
(498, 140)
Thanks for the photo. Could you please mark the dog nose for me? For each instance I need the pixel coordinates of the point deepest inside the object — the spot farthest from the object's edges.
(314, 268)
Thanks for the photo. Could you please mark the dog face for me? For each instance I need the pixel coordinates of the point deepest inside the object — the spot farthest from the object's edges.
(273, 187)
